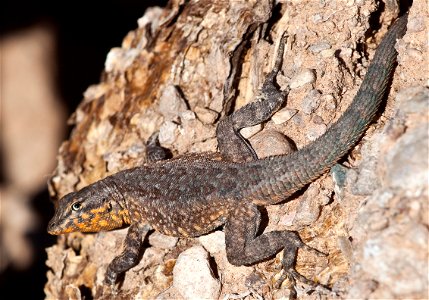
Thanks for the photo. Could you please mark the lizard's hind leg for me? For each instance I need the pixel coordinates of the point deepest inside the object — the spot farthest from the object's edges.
(232, 145)
(243, 247)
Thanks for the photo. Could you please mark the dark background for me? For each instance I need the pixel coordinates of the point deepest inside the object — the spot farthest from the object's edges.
(85, 32)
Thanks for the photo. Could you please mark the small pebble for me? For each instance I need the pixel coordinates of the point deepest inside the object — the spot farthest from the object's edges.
(346, 247)
(308, 210)
(415, 54)
(329, 101)
(168, 132)
(250, 131)
(271, 142)
(311, 102)
(171, 103)
(302, 78)
(162, 241)
(317, 120)
(316, 48)
(327, 53)
(413, 99)
(416, 24)
(283, 115)
(206, 116)
(187, 115)
(298, 120)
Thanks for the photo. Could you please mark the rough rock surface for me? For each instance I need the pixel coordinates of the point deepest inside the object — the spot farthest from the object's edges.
(192, 276)
(369, 214)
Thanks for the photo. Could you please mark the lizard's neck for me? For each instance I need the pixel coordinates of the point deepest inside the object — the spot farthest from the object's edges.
(118, 207)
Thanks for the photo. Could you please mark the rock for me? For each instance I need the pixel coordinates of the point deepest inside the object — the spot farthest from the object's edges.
(187, 115)
(213, 242)
(298, 120)
(318, 47)
(168, 133)
(302, 78)
(151, 256)
(162, 241)
(327, 53)
(329, 102)
(346, 247)
(308, 210)
(387, 263)
(367, 181)
(311, 102)
(171, 103)
(406, 162)
(283, 115)
(118, 59)
(416, 24)
(271, 142)
(339, 175)
(250, 131)
(192, 276)
(207, 116)
(413, 99)
(390, 235)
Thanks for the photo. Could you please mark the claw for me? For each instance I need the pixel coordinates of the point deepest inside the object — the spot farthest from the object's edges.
(288, 266)
(293, 276)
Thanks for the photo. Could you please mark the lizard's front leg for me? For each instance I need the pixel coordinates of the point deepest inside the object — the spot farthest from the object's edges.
(232, 144)
(130, 255)
(154, 151)
(243, 247)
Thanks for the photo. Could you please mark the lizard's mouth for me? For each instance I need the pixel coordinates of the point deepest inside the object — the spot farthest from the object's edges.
(53, 228)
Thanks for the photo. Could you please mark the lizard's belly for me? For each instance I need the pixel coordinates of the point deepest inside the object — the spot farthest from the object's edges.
(187, 222)
(188, 230)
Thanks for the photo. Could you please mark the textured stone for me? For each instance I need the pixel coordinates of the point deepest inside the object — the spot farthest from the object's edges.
(387, 262)
(283, 115)
(207, 116)
(318, 47)
(406, 163)
(162, 241)
(271, 142)
(311, 102)
(192, 275)
(302, 78)
(250, 131)
(171, 103)
(168, 132)
(213, 242)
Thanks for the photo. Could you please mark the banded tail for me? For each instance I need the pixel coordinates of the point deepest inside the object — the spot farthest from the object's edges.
(292, 172)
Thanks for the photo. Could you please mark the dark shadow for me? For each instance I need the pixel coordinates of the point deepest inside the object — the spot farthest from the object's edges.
(85, 32)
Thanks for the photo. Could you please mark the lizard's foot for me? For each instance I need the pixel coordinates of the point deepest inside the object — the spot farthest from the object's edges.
(289, 272)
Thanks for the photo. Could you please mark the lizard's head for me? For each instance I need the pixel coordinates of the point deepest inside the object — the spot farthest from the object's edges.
(91, 209)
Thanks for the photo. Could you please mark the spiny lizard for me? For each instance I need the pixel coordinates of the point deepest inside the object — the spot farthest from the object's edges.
(192, 195)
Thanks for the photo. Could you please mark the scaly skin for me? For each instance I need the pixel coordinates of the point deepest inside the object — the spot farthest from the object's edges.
(194, 194)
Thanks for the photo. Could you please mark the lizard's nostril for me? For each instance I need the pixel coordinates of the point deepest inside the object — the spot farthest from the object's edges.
(51, 225)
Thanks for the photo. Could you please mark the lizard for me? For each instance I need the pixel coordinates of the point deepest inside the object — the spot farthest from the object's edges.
(194, 194)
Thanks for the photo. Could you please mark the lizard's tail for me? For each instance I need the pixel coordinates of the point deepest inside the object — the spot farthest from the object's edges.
(294, 171)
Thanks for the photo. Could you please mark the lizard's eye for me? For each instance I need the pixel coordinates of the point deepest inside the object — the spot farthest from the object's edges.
(76, 206)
